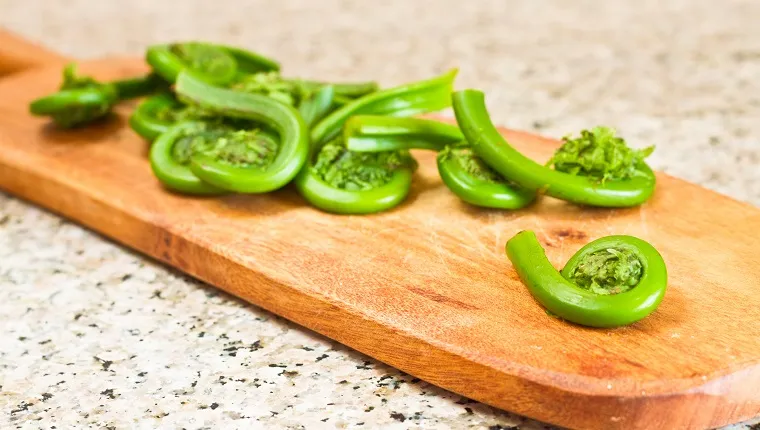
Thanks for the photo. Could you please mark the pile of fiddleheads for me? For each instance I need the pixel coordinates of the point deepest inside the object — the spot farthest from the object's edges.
(221, 120)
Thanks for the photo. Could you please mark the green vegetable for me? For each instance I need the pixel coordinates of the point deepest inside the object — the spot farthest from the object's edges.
(463, 172)
(271, 84)
(273, 115)
(405, 100)
(213, 63)
(317, 105)
(374, 133)
(154, 115)
(336, 179)
(473, 181)
(170, 158)
(610, 282)
(490, 146)
(348, 90)
(347, 182)
(598, 154)
(82, 99)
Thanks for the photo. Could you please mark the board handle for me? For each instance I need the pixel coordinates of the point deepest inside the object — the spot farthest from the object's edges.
(17, 54)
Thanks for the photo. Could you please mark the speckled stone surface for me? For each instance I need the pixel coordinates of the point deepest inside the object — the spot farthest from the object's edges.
(97, 336)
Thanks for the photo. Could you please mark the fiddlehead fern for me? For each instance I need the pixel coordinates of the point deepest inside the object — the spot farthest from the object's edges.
(612, 281)
(283, 120)
(341, 181)
(82, 99)
(230, 145)
(213, 63)
(618, 178)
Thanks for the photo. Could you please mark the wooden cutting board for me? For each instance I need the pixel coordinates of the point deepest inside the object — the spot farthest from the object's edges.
(427, 287)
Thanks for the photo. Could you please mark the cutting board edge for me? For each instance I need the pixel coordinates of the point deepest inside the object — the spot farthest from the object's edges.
(178, 249)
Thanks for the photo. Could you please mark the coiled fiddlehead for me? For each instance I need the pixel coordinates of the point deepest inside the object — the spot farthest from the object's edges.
(270, 114)
(341, 181)
(612, 281)
(231, 145)
(598, 174)
(82, 99)
(214, 63)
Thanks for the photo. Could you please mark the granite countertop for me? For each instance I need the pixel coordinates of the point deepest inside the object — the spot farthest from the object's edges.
(95, 335)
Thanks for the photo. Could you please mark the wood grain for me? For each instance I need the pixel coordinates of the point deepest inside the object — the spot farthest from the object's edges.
(427, 287)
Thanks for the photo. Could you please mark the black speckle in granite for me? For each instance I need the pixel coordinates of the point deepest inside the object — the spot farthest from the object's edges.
(468, 410)
(343, 382)
(126, 277)
(306, 348)
(274, 413)
(46, 396)
(77, 316)
(214, 405)
(105, 364)
(22, 338)
(44, 341)
(322, 357)
(383, 400)
(23, 406)
(324, 420)
(92, 325)
(289, 374)
(356, 387)
(194, 384)
(365, 365)
(330, 404)
(201, 334)
(398, 416)
(465, 401)
(156, 295)
(60, 382)
(110, 393)
(278, 365)
(370, 409)
(134, 331)
(360, 424)
(501, 427)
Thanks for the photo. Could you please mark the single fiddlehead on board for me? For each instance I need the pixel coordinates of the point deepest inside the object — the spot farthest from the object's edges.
(612, 281)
